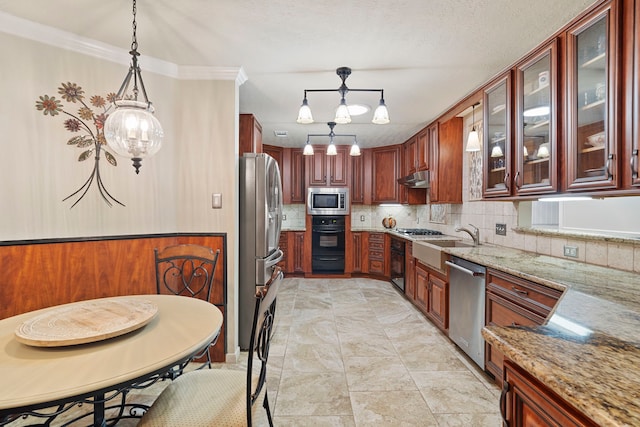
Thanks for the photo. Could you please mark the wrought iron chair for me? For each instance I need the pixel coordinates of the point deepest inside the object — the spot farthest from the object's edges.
(223, 397)
(187, 270)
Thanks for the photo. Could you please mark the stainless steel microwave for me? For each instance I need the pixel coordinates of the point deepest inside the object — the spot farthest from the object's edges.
(328, 201)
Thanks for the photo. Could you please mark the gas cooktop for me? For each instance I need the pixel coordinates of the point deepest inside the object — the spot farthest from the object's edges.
(418, 232)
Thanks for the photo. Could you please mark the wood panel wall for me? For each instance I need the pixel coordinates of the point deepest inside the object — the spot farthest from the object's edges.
(43, 273)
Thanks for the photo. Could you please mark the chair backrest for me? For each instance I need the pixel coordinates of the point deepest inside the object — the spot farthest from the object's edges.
(186, 270)
(261, 334)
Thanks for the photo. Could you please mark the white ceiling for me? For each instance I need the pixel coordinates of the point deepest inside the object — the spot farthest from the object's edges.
(425, 54)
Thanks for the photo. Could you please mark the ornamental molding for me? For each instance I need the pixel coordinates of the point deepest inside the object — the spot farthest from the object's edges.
(45, 34)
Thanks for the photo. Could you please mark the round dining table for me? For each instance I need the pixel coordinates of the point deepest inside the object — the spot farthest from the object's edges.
(34, 377)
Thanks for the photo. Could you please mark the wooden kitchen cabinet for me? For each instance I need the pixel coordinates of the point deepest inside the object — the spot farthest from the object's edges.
(526, 402)
(438, 301)
(250, 134)
(432, 295)
(358, 260)
(633, 145)
(283, 243)
(409, 272)
(445, 162)
(512, 301)
(593, 100)
(535, 151)
(296, 242)
(293, 176)
(361, 178)
(497, 137)
(386, 169)
(422, 141)
(379, 254)
(328, 171)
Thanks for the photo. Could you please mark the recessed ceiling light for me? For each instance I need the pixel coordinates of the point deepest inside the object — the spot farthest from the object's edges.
(281, 133)
(358, 109)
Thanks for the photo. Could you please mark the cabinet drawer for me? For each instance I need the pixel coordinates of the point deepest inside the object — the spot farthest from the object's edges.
(376, 237)
(502, 312)
(538, 298)
(376, 245)
(376, 266)
(376, 254)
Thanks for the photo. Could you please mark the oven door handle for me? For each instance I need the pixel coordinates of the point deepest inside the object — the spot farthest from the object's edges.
(327, 231)
(464, 270)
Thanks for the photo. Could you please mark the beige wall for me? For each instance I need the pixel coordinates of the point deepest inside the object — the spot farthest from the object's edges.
(173, 191)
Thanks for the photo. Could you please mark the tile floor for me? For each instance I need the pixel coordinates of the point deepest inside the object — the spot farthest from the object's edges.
(354, 352)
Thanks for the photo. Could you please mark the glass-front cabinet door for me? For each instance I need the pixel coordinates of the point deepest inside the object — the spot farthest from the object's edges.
(591, 80)
(535, 152)
(497, 138)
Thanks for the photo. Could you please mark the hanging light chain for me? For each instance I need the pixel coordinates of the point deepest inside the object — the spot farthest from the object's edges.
(134, 25)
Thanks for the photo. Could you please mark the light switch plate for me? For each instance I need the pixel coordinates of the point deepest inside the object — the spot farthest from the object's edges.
(216, 201)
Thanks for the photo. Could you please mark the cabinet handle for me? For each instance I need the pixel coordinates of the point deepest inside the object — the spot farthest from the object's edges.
(515, 324)
(519, 291)
(606, 166)
(503, 402)
(634, 164)
(515, 180)
(506, 180)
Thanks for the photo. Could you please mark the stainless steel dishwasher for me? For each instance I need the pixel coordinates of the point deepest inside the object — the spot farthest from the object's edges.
(466, 307)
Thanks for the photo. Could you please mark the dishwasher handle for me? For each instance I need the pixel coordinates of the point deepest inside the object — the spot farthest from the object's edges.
(465, 270)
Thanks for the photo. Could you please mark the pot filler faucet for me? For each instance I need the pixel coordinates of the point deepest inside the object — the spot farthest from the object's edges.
(475, 234)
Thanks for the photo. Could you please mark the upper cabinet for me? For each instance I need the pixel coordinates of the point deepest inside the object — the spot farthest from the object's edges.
(497, 145)
(445, 161)
(386, 169)
(250, 138)
(328, 171)
(535, 150)
(593, 96)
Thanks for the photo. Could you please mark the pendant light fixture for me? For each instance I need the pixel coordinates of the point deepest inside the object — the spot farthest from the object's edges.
(342, 116)
(473, 141)
(132, 130)
(331, 148)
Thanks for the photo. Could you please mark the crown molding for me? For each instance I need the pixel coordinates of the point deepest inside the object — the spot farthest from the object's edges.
(40, 33)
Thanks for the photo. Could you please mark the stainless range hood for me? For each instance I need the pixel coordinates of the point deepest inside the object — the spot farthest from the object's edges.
(416, 180)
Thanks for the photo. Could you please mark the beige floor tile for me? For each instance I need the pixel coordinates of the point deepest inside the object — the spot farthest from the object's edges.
(454, 392)
(468, 420)
(377, 374)
(393, 408)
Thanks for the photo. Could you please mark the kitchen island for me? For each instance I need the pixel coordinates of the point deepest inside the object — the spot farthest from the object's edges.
(588, 351)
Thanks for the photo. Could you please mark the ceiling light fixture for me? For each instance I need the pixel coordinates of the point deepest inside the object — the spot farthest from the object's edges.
(132, 130)
(343, 116)
(473, 141)
(331, 148)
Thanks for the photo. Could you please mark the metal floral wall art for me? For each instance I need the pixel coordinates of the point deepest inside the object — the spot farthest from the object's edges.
(87, 126)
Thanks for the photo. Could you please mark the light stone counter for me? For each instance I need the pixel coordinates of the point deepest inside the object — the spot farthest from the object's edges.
(588, 352)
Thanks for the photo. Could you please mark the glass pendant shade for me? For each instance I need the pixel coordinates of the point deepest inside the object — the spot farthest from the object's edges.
(342, 113)
(304, 114)
(381, 115)
(331, 150)
(308, 149)
(355, 150)
(473, 141)
(496, 151)
(133, 131)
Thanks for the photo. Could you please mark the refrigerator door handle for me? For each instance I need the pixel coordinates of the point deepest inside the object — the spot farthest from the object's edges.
(264, 266)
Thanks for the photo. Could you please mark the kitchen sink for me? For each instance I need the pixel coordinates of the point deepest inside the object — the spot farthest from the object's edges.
(431, 253)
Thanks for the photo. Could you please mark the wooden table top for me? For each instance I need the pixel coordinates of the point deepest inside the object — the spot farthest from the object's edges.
(33, 375)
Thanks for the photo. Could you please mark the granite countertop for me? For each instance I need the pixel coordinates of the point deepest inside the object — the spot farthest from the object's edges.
(588, 352)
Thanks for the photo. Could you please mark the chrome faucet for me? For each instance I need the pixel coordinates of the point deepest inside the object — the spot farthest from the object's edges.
(475, 234)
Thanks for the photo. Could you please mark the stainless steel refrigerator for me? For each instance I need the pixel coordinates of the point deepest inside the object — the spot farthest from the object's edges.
(260, 224)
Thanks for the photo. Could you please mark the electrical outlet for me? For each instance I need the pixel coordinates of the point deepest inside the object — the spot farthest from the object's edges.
(501, 229)
(361, 218)
(284, 217)
(571, 251)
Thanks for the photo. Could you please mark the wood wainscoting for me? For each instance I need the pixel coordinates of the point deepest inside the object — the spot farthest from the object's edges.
(47, 272)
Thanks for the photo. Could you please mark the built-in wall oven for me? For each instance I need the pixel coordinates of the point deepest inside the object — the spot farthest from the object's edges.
(327, 244)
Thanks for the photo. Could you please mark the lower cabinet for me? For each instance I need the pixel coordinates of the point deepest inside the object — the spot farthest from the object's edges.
(409, 272)
(526, 402)
(378, 254)
(292, 245)
(512, 301)
(432, 294)
(359, 253)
